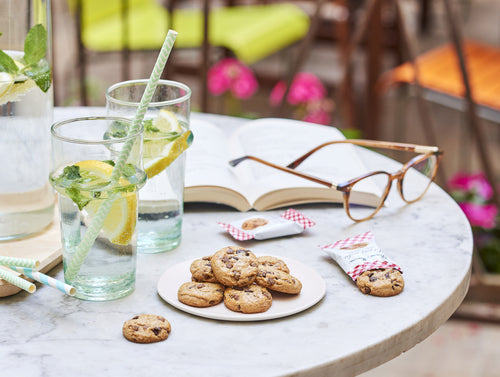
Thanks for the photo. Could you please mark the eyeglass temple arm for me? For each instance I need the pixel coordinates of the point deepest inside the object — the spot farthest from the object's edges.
(368, 143)
(236, 161)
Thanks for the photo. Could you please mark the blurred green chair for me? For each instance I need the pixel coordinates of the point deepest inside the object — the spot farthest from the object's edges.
(250, 32)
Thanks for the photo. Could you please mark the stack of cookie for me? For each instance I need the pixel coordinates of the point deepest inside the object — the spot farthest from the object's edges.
(240, 279)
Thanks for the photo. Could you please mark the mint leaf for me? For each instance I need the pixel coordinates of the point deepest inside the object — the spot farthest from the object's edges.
(71, 172)
(35, 44)
(7, 64)
(148, 126)
(109, 162)
(41, 75)
(76, 196)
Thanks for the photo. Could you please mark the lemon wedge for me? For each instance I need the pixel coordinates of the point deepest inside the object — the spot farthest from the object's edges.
(120, 222)
(154, 166)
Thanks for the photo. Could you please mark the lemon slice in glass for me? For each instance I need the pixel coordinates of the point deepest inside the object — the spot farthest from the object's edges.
(166, 121)
(120, 222)
(154, 166)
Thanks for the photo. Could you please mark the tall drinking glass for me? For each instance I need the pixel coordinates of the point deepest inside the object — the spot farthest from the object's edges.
(97, 171)
(166, 136)
(26, 110)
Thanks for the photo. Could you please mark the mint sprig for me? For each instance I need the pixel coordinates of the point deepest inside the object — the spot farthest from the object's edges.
(35, 67)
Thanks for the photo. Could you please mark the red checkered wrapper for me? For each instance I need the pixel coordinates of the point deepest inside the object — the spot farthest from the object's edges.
(263, 226)
(358, 254)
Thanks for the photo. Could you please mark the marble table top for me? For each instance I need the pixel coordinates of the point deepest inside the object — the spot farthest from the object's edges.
(344, 334)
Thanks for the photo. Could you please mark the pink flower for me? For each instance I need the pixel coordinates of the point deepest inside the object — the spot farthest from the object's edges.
(480, 215)
(475, 183)
(305, 88)
(230, 74)
(318, 116)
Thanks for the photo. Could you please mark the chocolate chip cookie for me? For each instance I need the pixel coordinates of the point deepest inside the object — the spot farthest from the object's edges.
(250, 299)
(269, 261)
(253, 223)
(235, 266)
(201, 270)
(382, 282)
(200, 294)
(277, 280)
(146, 328)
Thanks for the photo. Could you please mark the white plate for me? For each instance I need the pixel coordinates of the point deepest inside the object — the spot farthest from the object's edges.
(313, 290)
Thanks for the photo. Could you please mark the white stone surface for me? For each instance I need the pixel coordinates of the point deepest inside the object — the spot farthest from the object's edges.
(346, 333)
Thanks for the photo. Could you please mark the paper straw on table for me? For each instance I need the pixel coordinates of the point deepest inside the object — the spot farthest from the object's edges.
(47, 280)
(12, 278)
(96, 224)
(19, 262)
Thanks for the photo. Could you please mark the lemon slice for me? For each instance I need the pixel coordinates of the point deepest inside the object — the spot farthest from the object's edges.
(166, 121)
(6, 82)
(154, 166)
(120, 222)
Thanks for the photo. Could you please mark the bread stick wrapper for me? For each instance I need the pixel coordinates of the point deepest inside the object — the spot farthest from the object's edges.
(263, 226)
(358, 254)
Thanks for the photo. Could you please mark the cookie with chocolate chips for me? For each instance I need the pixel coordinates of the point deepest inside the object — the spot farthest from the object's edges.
(270, 261)
(146, 328)
(200, 294)
(201, 270)
(250, 299)
(235, 266)
(253, 223)
(277, 280)
(383, 282)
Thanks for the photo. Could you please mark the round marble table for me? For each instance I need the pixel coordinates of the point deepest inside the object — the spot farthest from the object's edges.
(344, 334)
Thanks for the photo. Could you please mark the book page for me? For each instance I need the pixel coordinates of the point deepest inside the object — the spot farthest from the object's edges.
(207, 158)
(281, 141)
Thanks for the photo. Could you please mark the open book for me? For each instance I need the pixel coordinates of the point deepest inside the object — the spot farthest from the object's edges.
(210, 178)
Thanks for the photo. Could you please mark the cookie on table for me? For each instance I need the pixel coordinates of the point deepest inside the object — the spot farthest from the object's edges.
(269, 261)
(200, 294)
(250, 299)
(251, 224)
(146, 328)
(277, 280)
(201, 270)
(383, 282)
(235, 266)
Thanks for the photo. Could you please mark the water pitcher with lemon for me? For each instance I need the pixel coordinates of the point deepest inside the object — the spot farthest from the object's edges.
(26, 110)
(166, 137)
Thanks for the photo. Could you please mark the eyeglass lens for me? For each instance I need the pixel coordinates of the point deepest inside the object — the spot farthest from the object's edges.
(373, 183)
(416, 180)
(418, 177)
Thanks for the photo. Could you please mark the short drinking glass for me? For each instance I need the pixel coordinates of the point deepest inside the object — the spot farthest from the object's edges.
(166, 136)
(97, 173)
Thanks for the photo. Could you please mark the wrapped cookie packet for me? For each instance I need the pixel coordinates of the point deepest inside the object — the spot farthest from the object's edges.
(263, 225)
(358, 254)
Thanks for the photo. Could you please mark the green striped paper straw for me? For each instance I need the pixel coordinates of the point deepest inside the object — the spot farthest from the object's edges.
(13, 279)
(96, 224)
(47, 280)
(19, 262)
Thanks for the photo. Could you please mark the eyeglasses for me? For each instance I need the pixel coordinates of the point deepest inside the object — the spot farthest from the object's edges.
(413, 179)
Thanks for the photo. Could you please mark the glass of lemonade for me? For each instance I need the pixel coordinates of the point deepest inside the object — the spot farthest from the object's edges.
(26, 111)
(97, 172)
(166, 136)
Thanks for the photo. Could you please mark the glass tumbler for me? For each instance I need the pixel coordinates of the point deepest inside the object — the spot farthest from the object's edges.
(97, 172)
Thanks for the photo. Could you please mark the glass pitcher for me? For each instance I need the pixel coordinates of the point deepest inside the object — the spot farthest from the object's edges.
(26, 113)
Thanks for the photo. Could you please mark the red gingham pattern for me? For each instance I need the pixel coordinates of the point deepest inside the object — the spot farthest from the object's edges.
(236, 233)
(368, 236)
(298, 217)
(360, 268)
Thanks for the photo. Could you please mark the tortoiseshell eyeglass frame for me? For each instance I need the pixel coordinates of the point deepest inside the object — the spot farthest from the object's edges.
(424, 152)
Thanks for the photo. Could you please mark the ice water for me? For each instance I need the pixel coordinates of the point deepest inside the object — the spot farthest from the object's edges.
(26, 198)
(161, 209)
(108, 271)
